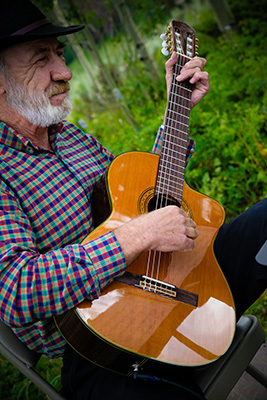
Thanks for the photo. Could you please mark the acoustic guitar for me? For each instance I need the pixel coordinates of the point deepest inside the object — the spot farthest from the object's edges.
(168, 308)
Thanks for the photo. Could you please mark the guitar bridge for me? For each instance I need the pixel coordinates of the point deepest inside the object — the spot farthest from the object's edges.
(156, 286)
(159, 288)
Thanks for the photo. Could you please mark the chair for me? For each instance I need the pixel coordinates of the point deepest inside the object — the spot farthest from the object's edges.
(24, 360)
(216, 380)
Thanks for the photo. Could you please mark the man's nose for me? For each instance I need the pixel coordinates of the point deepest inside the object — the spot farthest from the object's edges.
(60, 71)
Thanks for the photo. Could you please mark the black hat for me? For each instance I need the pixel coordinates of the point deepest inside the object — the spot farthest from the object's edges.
(21, 21)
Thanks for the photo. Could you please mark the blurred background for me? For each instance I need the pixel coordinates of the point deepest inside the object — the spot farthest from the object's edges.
(119, 96)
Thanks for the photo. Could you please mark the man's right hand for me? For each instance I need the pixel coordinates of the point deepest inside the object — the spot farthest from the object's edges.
(166, 229)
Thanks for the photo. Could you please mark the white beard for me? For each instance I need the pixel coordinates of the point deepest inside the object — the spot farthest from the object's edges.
(36, 108)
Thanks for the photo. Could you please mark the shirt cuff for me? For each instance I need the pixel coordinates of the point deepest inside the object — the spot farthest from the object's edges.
(107, 258)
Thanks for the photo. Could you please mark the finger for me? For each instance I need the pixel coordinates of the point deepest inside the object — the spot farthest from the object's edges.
(191, 223)
(190, 245)
(200, 76)
(191, 233)
(171, 61)
(191, 68)
(188, 73)
(199, 62)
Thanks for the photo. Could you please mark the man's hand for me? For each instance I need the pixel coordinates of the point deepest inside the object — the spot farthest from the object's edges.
(192, 69)
(166, 229)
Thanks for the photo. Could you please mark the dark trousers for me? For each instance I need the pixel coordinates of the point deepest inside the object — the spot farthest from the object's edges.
(235, 247)
(82, 380)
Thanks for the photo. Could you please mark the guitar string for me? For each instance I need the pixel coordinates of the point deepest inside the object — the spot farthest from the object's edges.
(171, 154)
(173, 128)
(152, 258)
(163, 178)
(159, 204)
(168, 154)
(167, 157)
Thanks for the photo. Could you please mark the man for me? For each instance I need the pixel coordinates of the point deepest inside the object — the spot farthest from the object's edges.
(48, 171)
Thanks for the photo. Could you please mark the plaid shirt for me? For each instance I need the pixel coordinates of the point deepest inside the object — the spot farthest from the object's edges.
(45, 213)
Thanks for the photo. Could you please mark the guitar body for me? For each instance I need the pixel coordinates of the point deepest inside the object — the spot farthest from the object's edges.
(129, 325)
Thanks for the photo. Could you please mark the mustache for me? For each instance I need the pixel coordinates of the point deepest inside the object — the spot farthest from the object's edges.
(57, 88)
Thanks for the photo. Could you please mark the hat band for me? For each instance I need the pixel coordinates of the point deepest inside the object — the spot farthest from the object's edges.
(31, 27)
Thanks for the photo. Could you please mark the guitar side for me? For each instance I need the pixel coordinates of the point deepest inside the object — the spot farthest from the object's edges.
(128, 324)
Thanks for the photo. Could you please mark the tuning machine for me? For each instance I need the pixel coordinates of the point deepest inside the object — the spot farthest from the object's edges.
(166, 48)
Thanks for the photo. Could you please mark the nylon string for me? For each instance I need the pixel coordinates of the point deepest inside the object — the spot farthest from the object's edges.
(154, 257)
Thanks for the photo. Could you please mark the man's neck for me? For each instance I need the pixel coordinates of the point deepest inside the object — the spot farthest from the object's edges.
(37, 135)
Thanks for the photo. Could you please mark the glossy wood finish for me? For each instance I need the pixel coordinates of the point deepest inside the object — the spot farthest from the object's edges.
(129, 325)
(155, 327)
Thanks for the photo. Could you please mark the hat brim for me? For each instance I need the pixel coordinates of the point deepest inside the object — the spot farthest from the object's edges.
(43, 32)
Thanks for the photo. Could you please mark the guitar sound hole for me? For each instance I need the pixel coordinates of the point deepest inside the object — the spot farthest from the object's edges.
(162, 200)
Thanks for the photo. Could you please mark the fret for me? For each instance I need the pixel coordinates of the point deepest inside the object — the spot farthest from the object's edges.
(166, 182)
(181, 97)
(179, 146)
(175, 137)
(173, 120)
(170, 177)
(185, 92)
(178, 115)
(178, 85)
(172, 162)
(183, 108)
(171, 174)
(172, 153)
(171, 183)
(173, 133)
(169, 189)
(171, 157)
(174, 125)
(180, 105)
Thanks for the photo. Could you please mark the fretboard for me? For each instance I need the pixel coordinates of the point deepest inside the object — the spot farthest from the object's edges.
(170, 176)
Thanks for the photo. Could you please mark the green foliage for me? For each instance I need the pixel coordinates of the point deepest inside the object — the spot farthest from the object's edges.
(229, 125)
(14, 385)
(259, 308)
(44, 5)
(231, 159)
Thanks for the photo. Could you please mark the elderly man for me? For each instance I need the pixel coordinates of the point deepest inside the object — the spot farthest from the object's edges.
(49, 169)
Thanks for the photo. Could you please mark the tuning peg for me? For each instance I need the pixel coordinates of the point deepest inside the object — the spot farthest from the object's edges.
(164, 44)
(163, 37)
(164, 51)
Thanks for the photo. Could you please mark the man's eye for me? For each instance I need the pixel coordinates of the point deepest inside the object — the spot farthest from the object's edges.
(41, 59)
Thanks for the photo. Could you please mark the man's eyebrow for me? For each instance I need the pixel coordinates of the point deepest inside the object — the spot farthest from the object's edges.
(45, 49)
(61, 45)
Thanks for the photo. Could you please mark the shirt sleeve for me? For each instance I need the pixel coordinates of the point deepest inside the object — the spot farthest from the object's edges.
(34, 286)
(191, 146)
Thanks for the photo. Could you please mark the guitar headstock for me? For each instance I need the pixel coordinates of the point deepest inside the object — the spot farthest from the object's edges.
(180, 38)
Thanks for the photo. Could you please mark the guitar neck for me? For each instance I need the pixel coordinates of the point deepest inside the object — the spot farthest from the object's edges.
(172, 162)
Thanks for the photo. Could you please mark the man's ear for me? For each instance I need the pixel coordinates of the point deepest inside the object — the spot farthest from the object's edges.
(2, 83)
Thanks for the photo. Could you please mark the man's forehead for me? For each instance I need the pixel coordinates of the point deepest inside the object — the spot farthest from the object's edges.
(43, 44)
(27, 50)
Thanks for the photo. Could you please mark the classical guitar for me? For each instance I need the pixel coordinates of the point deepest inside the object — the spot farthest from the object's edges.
(168, 308)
